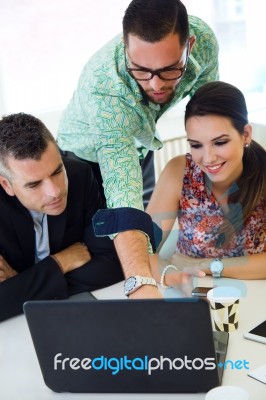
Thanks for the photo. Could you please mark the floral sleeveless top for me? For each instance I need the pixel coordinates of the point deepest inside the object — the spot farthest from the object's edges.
(200, 217)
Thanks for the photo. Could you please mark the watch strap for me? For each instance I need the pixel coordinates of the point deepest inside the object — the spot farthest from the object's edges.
(139, 282)
(147, 281)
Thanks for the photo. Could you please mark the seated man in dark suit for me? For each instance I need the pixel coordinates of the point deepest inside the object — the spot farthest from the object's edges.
(48, 249)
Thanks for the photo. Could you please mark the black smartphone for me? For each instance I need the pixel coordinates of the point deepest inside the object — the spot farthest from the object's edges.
(200, 291)
(258, 333)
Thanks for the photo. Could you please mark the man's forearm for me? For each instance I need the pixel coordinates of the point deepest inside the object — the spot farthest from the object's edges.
(127, 226)
(132, 250)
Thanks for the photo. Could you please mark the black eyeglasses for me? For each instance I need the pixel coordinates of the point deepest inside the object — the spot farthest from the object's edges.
(166, 74)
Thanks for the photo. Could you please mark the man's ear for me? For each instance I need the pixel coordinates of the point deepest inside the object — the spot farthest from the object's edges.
(192, 41)
(6, 185)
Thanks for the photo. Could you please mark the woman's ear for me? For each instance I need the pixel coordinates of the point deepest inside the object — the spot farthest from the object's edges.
(247, 134)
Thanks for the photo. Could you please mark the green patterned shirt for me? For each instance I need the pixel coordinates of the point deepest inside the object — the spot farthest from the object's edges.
(107, 120)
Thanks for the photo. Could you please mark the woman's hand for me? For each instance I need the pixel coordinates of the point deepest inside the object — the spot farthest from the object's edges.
(189, 264)
(181, 279)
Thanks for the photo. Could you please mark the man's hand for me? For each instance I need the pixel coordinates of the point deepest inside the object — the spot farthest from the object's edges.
(146, 292)
(73, 257)
(5, 270)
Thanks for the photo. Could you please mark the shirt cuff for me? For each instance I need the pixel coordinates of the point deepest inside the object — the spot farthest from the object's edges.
(108, 222)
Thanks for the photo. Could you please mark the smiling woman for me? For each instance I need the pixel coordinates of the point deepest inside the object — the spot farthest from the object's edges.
(217, 148)
(218, 191)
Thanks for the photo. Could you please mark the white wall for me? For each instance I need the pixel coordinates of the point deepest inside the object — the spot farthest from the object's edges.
(171, 125)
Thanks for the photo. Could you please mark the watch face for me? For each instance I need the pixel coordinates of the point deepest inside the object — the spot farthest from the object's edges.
(216, 266)
(130, 283)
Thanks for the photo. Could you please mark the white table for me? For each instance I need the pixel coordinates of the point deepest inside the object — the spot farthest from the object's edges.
(21, 379)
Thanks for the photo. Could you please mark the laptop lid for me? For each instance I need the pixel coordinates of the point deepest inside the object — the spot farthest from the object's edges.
(124, 346)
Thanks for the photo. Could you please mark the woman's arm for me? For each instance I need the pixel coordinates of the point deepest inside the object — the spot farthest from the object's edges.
(163, 208)
(164, 203)
(251, 266)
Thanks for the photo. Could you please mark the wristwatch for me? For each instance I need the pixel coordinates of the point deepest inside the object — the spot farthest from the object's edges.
(133, 283)
(216, 267)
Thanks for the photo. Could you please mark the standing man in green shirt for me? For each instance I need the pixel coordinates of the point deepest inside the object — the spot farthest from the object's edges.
(162, 56)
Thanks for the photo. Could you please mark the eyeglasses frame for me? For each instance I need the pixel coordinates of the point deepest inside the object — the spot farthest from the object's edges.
(157, 71)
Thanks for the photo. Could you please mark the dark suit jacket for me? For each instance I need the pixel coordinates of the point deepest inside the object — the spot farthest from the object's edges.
(45, 280)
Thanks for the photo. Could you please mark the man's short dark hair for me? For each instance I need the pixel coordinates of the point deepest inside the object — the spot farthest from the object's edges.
(153, 20)
(22, 136)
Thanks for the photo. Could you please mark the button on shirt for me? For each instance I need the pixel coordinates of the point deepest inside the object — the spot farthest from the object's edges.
(107, 120)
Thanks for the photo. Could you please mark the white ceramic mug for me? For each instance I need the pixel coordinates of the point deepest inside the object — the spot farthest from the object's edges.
(227, 393)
